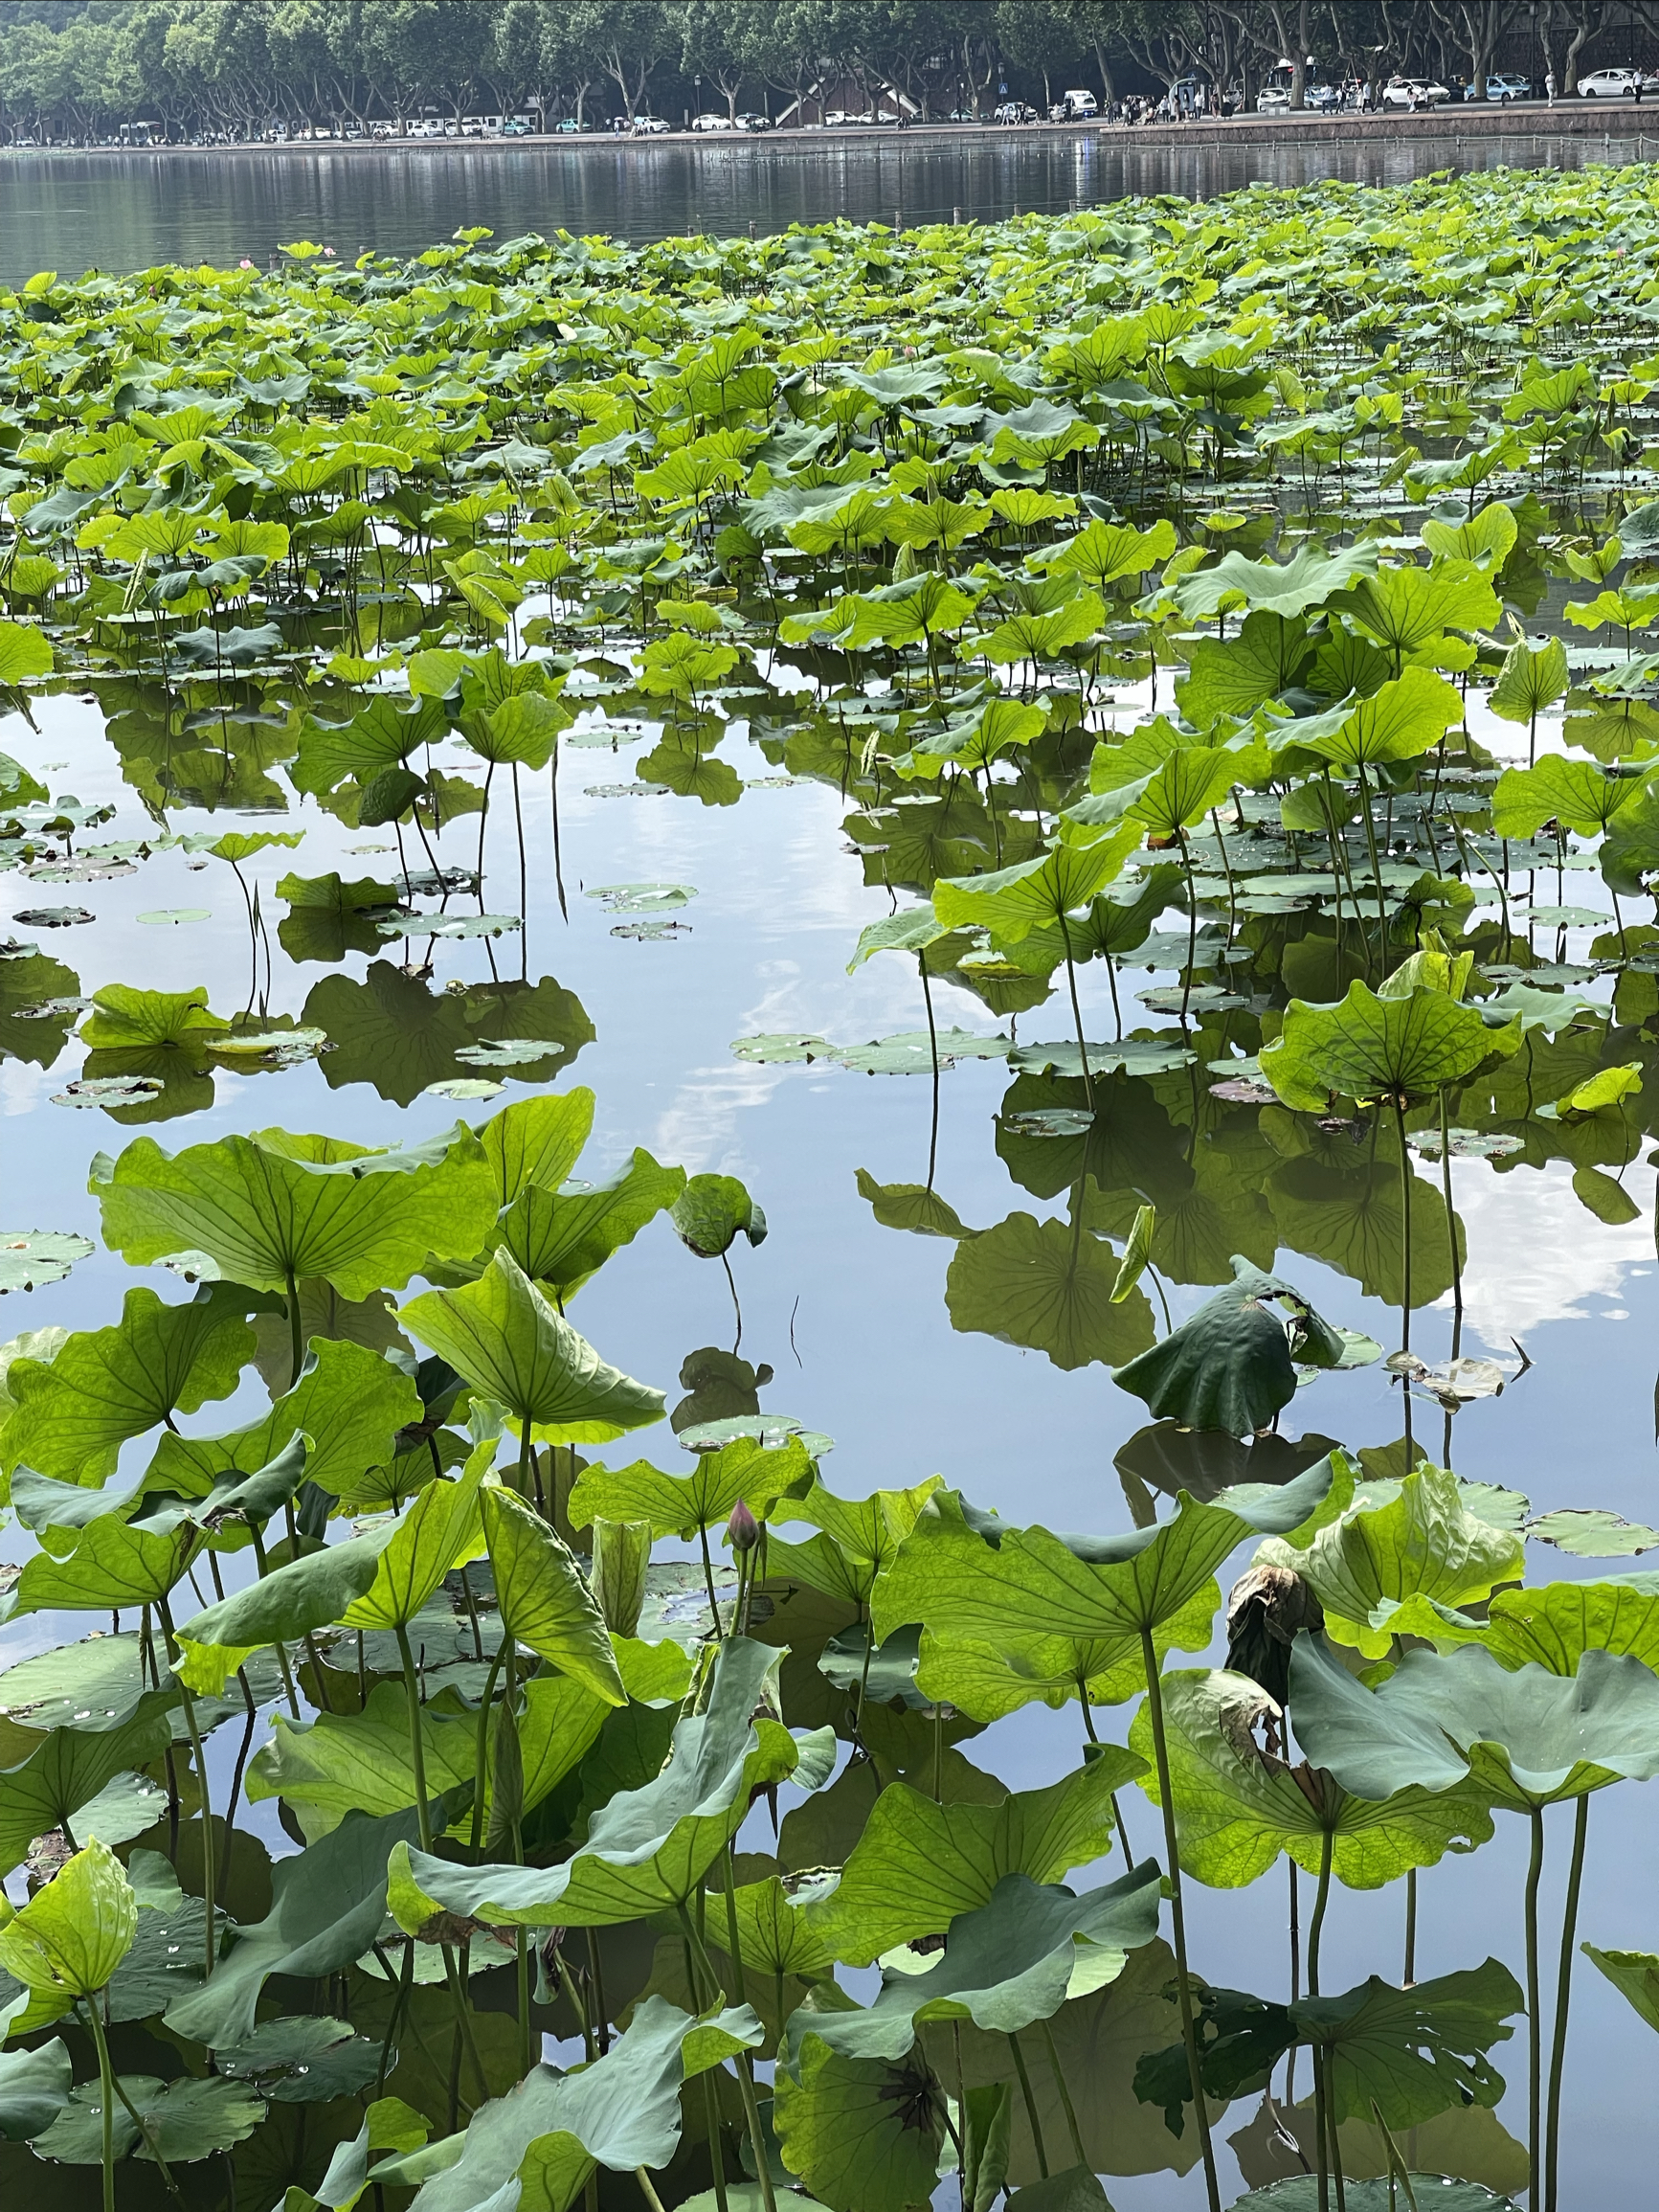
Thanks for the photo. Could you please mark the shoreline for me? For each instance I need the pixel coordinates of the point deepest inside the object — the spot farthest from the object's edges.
(1579, 119)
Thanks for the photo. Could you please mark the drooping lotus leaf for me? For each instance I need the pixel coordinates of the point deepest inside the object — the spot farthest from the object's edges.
(1232, 1366)
(1368, 1047)
(114, 1564)
(864, 2134)
(535, 1142)
(71, 1936)
(72, 1769)
(328, 1904)
(748, 1468)
(1007, 1964)
(1286, 588)
(513, 1346)
(1526, 1737)
(1035, 893)
(104, 1385)
(544, 1602)
(712, 1212)
(919, 1863)
(1237, 1806)
(441, 1530)
(646, 1848)
(1424, 1541)
(34, 2090)
(271, 1208)
(561, 1237)
(308, 1593)
(1634, 1974)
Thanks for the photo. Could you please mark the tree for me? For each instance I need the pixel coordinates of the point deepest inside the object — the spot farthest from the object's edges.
(629, 39)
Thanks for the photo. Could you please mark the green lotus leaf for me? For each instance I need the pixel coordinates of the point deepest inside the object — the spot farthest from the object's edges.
(623, 2112)
(309, 1593)
(562, 1237)
(182, 2121)
(1047, 1285)
(1035, 893)
(544, 1602)
(1232, 1366)
(271, 1208)
(328, 1904)
(1238, 1807)
(864, 2134)
(349, 1401)
(1424, 1541)
(1368, 1047)
(1301, 2194)
(1526, 1737)
(1412, 2053)
(70, 1937)
(646, 1848)
(1531, 678)
(1398, 722)
(512, 1347)
(302, 2060)
(327, 917)
(1408, 610)
(72, 1768)
(523, 730)
(1267, 654)
(969, 1581)
(1307, 580)
(1553, 1624)
(1634, 1974)
(713, 1211)
(919, 1863)
(113, 1565)
(442, 1530)
(748, 1468)
(108, 1385)
(1006, 1964)
(989, 1678)
(392, 1033)
(35, 2087)
(1574, 793)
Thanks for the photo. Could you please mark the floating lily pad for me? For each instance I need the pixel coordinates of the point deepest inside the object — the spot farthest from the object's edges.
(912, 1052)
(1458, 1382)
(780, 1050)
(1547, 973)
(15, 949)
(283, 1048)
(1243, 1090)
(79, 870)
(429, 881)
(1050, 1122)
(109, 1090)
(648, 932)
(463, 1087)
(626, 791)
(1201, 999)
(1133, 1056)
(450, 925)
(1465, 1144)
(52, 1009)
(644, 898)
(505, 1053)
(174, 915)
(772, 782)
(55, 918)
(33, 1256)
(1572, 917)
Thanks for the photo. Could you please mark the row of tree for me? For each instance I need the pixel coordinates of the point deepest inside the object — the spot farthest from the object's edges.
(83, 69)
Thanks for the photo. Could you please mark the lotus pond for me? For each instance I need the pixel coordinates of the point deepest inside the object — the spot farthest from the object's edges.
(620, 798)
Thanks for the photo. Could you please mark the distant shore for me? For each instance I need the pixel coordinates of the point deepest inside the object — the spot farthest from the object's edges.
(1571, 117)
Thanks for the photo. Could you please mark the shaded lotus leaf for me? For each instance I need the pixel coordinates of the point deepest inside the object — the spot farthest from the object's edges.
(1300, 2193)
(911, 1205)
(271, 1208)
(1165, 1457)
(752, 1468)
(512, 1345)
(648, 1848)
(712, 1212)
(302, 2059)
(328, 919)
(1634, 1974)
(1525, 1736)
(1369, 1047)
(1238, 1807)
(1047, 1285)
(1411, 2054)
(308, 1593)
(73, 1768)
(35, 2087)
(1005, 1965)
(864, 2134)
(391, 1032)
(1132, 1056)
(182, 2121)
(1232, 1366)
(562, 1237)
(1424, 1541)
(918, 1864)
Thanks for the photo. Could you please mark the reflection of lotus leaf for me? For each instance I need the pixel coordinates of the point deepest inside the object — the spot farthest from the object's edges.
(391, 1031)
(1046, 1285)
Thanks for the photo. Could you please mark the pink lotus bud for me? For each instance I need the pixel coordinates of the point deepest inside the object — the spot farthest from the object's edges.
(743, 1530)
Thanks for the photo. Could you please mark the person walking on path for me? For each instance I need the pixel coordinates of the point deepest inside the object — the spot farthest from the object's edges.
(1550, 86)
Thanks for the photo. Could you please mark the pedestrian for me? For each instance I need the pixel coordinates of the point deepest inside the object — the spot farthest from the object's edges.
(1638, 88)
(1550, 86)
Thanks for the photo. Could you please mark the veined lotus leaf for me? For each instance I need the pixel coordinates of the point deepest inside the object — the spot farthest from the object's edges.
(989, 1678)
(712, 1212)
(1633, 1974)
(1232, 1366)
(1412, 2053)
(302, 2059)
(1237, 1807)
(523, 730)
(564, 1236)
(1288, 588)
(647, 1848)
(1424, 1541)
(1408, 610)
(974, 1582)
(544, 1600)
(623, 2112)
(864, 2134)
(1574, 793)
(1368, 1047)
(866, 1531)
(113, 1565)
(1013, 901)
(72, 1768)
(271, 1208)
(1398, 722)
(310, 1592)
(1185, 788)
(535, 1142)
(70, 1937)
(124, 1018)
(1531, 678)
(918, 1863)
(681, 1505)
(511, 1345)
(343, 1762)
(1235, 675)
(1552, 1624)
(1006, 1964)
(1047, 1285)
(442, 1530)
(349, 1401)
(1526, 1737)
(182, 2121)
(1240, 2040)
(73, 1416)
(328, 1904)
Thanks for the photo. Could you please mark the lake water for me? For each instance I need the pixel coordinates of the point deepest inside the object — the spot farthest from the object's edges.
(851, 1316)
(71, 211)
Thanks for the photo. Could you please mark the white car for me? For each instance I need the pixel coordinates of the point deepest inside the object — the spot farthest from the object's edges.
(710, 123)
(1502, 89)
(1616, 84)
(1079, 106)
(1272, 99)
(1398, 90)
(650, 126)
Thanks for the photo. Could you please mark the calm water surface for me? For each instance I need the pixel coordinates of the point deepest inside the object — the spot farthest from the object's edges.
(851, 1316)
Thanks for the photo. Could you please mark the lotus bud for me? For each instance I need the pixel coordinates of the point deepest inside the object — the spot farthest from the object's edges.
(743, 1530)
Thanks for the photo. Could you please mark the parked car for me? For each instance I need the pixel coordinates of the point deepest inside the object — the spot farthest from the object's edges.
(1399, 92)
(650, 126)
(568, 125)
(515, 127)
(754, 123)
(1272, 99)
(708, 122)
(1079, 106)
(1617, 83)
(1502, 89)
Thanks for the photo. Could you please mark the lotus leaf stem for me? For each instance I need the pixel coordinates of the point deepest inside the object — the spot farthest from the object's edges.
(210, 1936)
(1534, 2039)
(1026, 2090)
(1066, 2104)
(1563, 1998)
